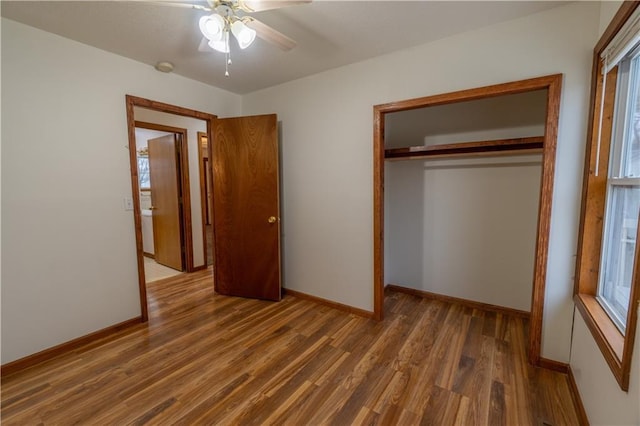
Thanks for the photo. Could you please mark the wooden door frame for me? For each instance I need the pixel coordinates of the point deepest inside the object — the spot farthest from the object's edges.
(131, 102)
(186, 237)
(204, 202)
(553, 83)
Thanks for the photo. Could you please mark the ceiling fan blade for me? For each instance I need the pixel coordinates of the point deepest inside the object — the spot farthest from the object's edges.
(260, 5)
(178, 4)
(270, 35)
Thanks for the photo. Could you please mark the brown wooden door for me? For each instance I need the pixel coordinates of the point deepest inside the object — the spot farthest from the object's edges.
(246, 207)
(164, 175)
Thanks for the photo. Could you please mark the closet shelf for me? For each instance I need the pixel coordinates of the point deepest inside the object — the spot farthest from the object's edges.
(495, 147)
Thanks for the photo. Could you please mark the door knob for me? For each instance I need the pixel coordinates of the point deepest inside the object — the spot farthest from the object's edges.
(152, 208)
(272, 219)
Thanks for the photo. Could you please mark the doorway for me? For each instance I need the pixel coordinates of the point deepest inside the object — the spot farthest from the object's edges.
(245, 194)
(163, 179)
(547, 144)
(163, 117)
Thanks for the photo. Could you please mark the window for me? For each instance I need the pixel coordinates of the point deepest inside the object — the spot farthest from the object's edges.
(143, 172)
(608, 264)
(623, 197)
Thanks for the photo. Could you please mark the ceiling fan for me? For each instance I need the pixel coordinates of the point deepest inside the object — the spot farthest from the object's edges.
(231, 17)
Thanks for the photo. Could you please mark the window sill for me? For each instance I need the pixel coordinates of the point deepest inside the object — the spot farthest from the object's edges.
(605, 333)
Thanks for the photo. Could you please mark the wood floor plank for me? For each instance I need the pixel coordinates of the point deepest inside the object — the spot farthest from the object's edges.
(454, 346)
(497, 405)
(481, 384)
(394, 391)
(365, 417)
(208, 359)
(442, 407)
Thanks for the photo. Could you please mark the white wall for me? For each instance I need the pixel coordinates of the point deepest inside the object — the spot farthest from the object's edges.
(608, 9)
(327, 130)
(604, 402)
(464, 228)
(0, 192)
(193, 126)
(69, 262)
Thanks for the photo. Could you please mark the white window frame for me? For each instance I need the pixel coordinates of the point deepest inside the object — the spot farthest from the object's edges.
(626, 96)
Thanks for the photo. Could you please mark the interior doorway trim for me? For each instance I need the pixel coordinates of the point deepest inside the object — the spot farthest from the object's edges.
(205, 188)
(553, 84)
(131, 102)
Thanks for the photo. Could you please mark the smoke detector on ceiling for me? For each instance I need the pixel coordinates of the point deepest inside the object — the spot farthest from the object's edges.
(164, 66)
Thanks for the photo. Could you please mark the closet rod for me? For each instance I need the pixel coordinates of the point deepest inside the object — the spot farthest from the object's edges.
(500, 146)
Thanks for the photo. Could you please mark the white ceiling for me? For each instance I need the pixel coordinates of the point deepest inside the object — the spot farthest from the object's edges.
(329, 33)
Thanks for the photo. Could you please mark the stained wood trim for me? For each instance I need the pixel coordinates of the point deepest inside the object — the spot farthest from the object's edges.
(200, 268)
(465, 148)
(149, 255)
(619, 19)
(210, 143)
(594, 188)
(459, 301)
(168, 108)
(330, 303)
(549, 364)
(203, 193)
(544, 216)
(186, 203)
(577, 400)
(159, 127)
(378, 214)
(599, 319)
(185, 188)
(616, 349)
(510, 88)
(110, 332)
(605, 334)
(137, 212)
(530, 151)
(130, 103)
(553, 84)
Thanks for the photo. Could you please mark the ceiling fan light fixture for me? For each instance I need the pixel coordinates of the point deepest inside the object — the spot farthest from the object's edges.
(221, 45)
(212, 27)
(243, 34)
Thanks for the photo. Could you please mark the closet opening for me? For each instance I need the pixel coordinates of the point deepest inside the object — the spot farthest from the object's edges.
(463, 185)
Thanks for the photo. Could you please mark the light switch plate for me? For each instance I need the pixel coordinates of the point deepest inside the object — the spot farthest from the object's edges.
(128, 203)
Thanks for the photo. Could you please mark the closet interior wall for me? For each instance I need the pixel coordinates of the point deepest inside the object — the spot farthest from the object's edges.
(465, 226)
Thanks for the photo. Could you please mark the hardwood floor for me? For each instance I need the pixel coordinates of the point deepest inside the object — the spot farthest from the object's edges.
(210, 359)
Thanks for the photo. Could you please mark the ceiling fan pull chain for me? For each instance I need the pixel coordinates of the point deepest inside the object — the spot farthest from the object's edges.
(228, 56)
